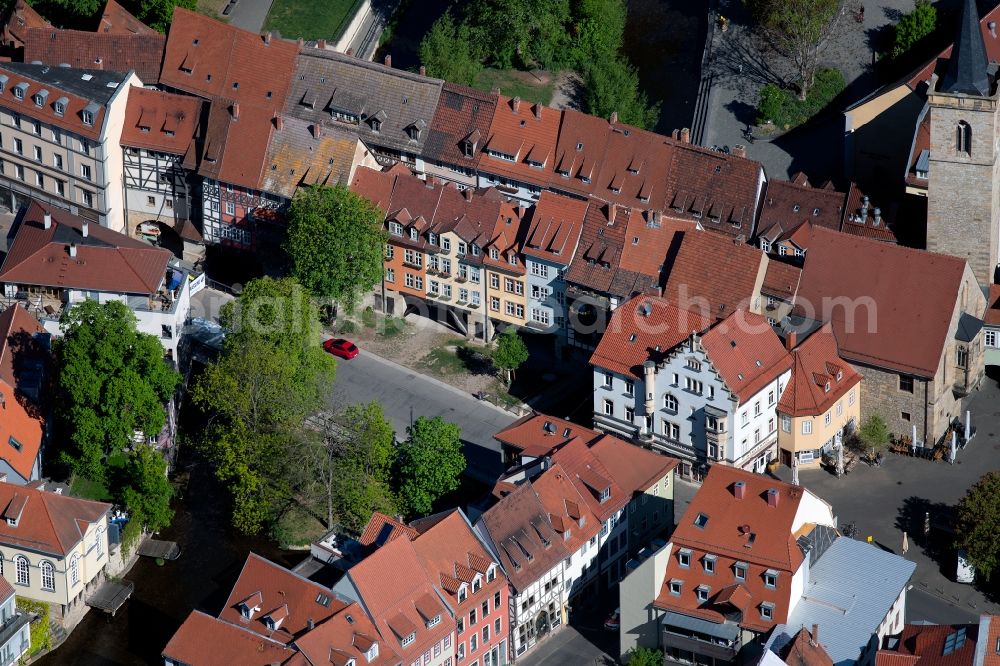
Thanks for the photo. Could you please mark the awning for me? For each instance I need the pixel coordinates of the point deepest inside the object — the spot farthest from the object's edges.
(727, 631)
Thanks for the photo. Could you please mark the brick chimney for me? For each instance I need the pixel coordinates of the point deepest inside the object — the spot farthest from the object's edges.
(614, 117)
(300, 42)
(72, 249)
(388, 60)
(47, 220)
(739, 490)
(772, 497)
(423, 71)
(234, 110)
(279, 122)
(686, 135)
(791, 340)
(267, 38)
(515, 104)
(815, 634)
(537, 108)
(321, 43)
(316, 130)
(739, 150)
(676, 134)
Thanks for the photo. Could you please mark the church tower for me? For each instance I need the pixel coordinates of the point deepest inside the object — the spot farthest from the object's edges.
(963, 189)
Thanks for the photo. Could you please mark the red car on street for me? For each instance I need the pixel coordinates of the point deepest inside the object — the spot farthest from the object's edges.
(343, 348)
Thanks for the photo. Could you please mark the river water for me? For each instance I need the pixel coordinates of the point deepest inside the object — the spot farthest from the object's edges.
(212, 556)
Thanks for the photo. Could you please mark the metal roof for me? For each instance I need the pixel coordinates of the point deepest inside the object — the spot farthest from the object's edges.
(726, 630)
(850, 591)
(967, 72)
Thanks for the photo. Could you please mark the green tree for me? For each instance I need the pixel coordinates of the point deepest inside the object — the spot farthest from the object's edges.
(336, 242)
(447, 52)
(272, 374)
(913, 26)
(509, 354)
(641, 656)
(978, 527)
(349, 465)
(145, 489)
(799, 30)
(874, 433)
(598, 30)
(613, 86)
(158, 13)
(430, 463)
(113, 381)
(521, 33)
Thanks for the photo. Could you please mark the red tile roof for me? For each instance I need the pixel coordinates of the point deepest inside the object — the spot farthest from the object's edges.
(72, 117)
(650, 240)
(992, 316)
(644, 328)
(598, 254)
(789, 204)
(22, 17)
(117, 20)
(203, 640)
(50, 523)
(866, 226)
(591, 478)
(235, 149)
(907, 299)
(279, 593)
(20, 418)
(376, 186)
(105, 260)
(213, 59)
(522, 534)
(633, 468)
(746, 352)
(816, 364)
(730, 285)
(526, 131)
(781, 279)
(462, 114)
(160, 121)
(803, 650)
(720, 191)
(570, 514)
(381, 529)
(554, 228)
(115, 51)
(391, 600)
(451, 554)
(924, 644)
(530, 434)
(748, 531)
(991, 624)
(923, 73)
(347, 635)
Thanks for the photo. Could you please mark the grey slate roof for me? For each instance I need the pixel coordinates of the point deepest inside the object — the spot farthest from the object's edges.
(968, 327)
(968, 62)
(296, 157)
(850, 591)
(72, 80)
(327, 81)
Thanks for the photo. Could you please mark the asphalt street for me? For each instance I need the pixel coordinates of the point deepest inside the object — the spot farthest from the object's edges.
(406, 395)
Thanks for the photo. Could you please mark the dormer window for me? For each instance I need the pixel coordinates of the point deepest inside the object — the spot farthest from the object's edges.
(88, 118)
(708, 562)
(462, 594)
(675, 587)
(413, 132)
(20, 89)
(475, 250)
(372, 653)
(396, 229)
(766, 611)
(605, 495)
(477, 583)
(272, 623)
(468, 148)
(840, 375)
(703, 591)
(432, 238)
(826, 387)
(585, 179)
(513, 260)
(413, 233)
(494, 254)
(771, 579)
(407, 640)
(434, 621)
(701, 520)
(491, 574)
(534, 164)
(39, 100)
(376, 125)
(684, 557)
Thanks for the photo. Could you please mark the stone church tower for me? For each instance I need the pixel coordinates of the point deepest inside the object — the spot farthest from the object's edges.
(963, 189)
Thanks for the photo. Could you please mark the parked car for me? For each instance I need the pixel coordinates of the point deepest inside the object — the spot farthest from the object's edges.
(343, 348)
(614, 621)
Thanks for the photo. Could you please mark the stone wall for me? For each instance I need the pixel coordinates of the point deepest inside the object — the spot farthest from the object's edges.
(963, 206)
(883, 396)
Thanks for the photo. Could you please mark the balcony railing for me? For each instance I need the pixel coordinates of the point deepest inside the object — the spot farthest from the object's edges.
(715, 648)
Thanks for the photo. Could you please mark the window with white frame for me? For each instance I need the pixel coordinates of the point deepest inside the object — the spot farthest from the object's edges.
(693, 385)
(740, 571)
(669, 402)
(541, 316)
(396, 229)
(21, 567)
(744, 418)
(74, 570)
(766, 610)
(807, 426)
(446, 244)
(828, 419)
(609, 408)
(991, 339)
(48, 576)
(708, 563)
(684, 557)
(230, 208)
(670, 430)
(840, 407)
(850, 397)
(539, 269)
(771, 579)
(676, 586)
(702, 591)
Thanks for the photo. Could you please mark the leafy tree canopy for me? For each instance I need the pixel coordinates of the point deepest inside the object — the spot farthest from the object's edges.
(113, 381)
(430, 463)
(336, 242)
(874, 432)
(448, 52)
(510, 352)
(641, 656)
(978, 526)
(146, 491)
(913, 26)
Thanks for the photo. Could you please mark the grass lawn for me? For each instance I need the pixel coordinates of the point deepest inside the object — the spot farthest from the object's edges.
(87, 489)
(529, 86)
(213, 8)
(785, 110)
(309, 19)
(455, 356)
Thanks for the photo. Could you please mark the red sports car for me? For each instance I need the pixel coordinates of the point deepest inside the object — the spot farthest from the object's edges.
(342, 348)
